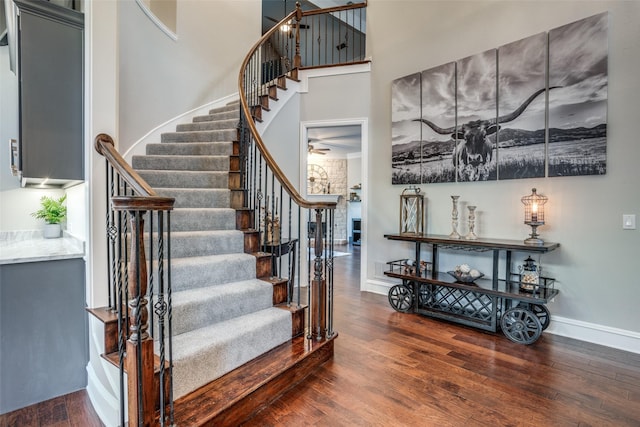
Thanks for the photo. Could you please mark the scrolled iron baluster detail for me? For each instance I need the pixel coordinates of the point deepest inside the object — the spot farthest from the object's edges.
(318, 302)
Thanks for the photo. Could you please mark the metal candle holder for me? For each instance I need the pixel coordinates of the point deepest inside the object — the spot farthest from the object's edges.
(534, 216)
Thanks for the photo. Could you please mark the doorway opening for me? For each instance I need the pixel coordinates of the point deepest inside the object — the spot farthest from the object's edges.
(333, 166)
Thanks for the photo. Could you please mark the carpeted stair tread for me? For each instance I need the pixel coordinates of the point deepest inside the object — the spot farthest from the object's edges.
(211, 125)
(203, 243)
(173, 162)
(197, 197)
(226, 108)
(225, 115)
(200, 136)
(217, 148)
(197, 308)
(205, 354)
(201, 271)
(185, 179)
(190, 219)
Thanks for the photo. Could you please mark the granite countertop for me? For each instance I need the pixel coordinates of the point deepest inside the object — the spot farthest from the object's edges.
(29, 246)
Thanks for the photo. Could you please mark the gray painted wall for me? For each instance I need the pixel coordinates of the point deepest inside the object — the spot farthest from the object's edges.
(160, 78)
(596, 263)
(43, 329)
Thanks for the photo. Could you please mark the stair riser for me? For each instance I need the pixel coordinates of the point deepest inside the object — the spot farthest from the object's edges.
(229, 115)
(223, 148)
(200, 136)
(210, 271)
(185, 163)
(199, 219)
(209, 362)
(185, 179)
(234, 107)
(214, 243)
(193, 310)
(197, 198)
(214, 125)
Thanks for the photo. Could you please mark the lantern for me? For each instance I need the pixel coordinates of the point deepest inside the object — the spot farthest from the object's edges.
(534, 215)
(529, 275)
(411, 211)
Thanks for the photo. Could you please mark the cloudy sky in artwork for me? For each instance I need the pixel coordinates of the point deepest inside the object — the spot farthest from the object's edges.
(578, 55)
(405, 107)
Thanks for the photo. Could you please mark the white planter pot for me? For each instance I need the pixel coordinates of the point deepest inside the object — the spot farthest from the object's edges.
(51, 231)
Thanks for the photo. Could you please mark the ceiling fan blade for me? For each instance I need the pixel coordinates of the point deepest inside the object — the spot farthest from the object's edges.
(271, 19)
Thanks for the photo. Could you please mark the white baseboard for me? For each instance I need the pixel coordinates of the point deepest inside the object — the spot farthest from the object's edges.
(377, 286)
(590, 332)
(598, 334)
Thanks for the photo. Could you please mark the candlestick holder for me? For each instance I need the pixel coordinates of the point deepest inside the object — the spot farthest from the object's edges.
(454, 218)
(472, 224)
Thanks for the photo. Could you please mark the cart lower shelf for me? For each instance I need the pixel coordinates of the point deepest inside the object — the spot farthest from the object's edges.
(521, 321)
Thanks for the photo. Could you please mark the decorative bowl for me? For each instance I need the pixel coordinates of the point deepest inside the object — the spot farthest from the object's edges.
(465, 277)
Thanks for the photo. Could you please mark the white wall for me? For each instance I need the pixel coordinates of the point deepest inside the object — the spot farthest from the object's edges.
(161, 78)
(595, 265)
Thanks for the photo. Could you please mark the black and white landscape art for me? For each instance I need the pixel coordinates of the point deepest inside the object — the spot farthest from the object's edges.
(578, 109)
(406, 138)
(438, 106)
(522, 69)
(551, 119)
(476, 101)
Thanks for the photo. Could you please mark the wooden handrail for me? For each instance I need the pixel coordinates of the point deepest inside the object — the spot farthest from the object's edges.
(271, 163)
(104, 145)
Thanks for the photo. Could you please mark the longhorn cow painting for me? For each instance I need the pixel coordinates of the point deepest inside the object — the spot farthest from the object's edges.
(578, 110)
(522, 69)
(463, 134)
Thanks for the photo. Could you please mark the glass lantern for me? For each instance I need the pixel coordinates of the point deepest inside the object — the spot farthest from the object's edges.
(529, 275)
(411, 211)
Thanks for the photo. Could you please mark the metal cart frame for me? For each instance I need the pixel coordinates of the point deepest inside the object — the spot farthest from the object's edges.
(486, 303)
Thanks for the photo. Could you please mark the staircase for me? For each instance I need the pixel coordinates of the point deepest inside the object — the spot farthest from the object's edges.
(223, 314)
(237, 344)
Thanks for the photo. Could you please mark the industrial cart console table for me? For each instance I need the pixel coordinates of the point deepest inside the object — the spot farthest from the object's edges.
(510, 301)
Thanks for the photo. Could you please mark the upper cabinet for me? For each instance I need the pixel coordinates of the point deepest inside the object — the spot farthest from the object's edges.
(50, 72)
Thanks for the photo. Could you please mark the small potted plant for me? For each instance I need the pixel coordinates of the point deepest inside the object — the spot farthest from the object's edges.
(53, 212)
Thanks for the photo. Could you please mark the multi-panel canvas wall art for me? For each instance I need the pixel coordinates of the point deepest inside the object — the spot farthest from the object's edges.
(406, 140)
(578, 108)
(507, 113)
(476, 115)
(439, 108)
(522, 69)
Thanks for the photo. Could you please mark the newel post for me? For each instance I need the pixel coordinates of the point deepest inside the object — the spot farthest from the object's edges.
(318, 286)
(139, 360)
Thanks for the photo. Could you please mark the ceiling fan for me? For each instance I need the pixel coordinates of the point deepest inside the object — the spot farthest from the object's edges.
(313, 150)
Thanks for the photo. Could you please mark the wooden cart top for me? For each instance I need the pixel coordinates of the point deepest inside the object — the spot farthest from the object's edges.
(480, 243)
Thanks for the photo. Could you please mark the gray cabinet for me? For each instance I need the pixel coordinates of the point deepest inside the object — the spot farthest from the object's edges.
(50, 71)
(43, 331)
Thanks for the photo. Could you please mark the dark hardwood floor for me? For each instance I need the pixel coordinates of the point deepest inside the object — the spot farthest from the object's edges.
(394, 369)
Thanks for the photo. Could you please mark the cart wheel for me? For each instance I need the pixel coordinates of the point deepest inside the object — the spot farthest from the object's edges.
(521, 325)
(540, 311)
(401, 298)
